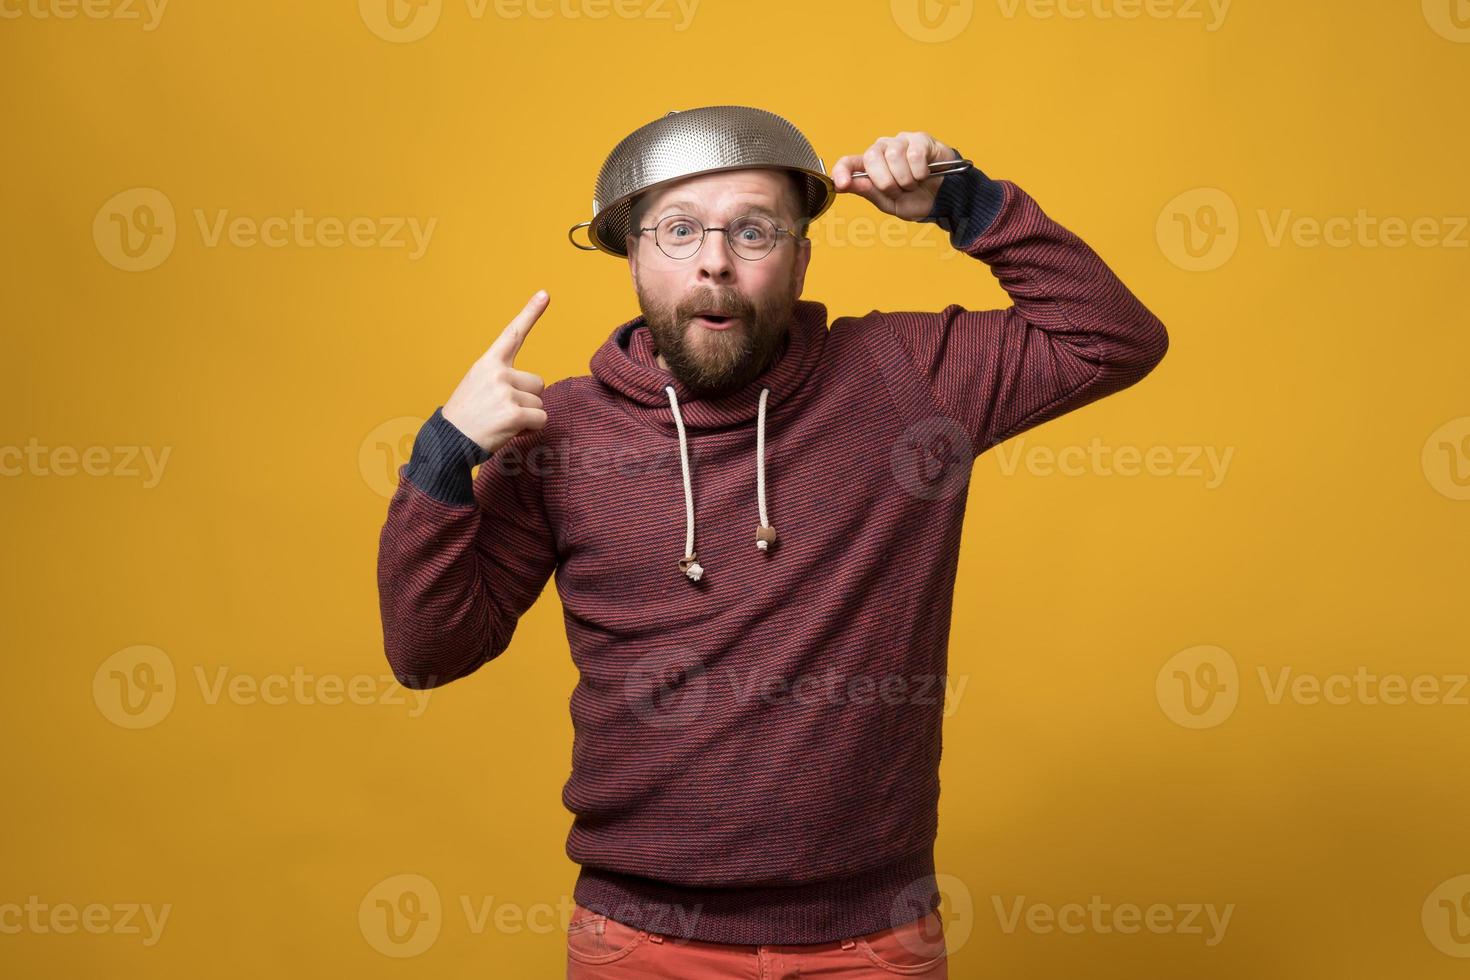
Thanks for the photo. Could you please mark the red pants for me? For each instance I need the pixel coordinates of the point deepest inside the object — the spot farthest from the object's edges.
(599, 947)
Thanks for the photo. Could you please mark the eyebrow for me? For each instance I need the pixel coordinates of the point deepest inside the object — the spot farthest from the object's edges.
(690, 205)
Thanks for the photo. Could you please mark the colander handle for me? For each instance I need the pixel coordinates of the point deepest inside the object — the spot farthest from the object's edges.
(572, 230)
(935, 169)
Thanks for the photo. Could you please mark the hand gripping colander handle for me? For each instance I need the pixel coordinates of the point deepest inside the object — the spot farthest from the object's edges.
(935, 169)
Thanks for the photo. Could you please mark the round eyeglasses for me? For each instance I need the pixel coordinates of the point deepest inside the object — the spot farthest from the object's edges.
(751, 236)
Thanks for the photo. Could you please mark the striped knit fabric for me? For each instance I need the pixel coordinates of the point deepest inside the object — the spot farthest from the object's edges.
(756, 753)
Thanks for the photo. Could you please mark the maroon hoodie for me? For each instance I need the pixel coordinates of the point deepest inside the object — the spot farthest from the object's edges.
(757, 730)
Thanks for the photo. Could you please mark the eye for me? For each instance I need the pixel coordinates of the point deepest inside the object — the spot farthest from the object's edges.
(679, 228)
(753, 230)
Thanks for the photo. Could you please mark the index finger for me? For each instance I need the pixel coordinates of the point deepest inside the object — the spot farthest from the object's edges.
(508, 344)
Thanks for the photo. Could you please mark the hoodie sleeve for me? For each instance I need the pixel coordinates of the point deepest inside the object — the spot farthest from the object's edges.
(459, 561)
(1073, 334)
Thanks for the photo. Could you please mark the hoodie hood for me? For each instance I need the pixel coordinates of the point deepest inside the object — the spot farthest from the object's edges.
(626, 364)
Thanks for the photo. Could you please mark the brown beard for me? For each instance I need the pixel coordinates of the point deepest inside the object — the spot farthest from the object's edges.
(722, 361)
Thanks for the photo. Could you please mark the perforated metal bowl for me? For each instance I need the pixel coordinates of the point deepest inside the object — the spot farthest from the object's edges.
(692, 142)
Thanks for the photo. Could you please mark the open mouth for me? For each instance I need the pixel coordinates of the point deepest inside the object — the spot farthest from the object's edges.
(715, 321)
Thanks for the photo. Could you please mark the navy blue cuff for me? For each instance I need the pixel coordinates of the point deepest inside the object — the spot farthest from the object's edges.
(966, 204)
(442, 459)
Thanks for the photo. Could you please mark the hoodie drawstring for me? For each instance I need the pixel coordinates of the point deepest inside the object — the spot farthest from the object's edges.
(765, 534)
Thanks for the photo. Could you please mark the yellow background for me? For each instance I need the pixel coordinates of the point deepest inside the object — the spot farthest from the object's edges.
(282, 380)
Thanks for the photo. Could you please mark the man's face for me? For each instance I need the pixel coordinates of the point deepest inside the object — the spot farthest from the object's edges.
(757, 296)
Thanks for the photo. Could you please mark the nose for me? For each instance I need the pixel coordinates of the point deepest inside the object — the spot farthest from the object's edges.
(716, 261)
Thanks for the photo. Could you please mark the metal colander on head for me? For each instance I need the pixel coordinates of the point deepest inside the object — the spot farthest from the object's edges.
(691, 142)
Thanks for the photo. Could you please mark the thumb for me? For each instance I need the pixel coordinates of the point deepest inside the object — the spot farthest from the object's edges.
(842, 176)
(846, 183)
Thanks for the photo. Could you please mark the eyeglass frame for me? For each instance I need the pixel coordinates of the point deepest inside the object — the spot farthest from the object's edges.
(704, 233)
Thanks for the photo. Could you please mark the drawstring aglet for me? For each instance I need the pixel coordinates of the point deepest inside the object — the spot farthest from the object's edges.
(689, 566)
(765, 536)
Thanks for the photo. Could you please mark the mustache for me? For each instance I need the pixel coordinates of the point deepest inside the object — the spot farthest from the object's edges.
(720, 303)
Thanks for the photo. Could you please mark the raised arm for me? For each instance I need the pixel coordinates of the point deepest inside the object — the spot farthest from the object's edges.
(1073, 335)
